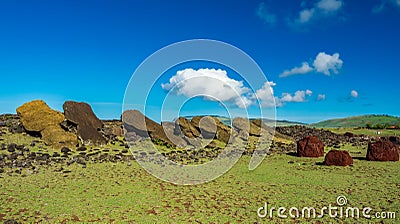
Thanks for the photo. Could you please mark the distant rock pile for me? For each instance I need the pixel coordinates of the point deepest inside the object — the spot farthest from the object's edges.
(383, 150)
(338, 158)
(329, 138)
(37, 117)
(184, 132)
(310, 146)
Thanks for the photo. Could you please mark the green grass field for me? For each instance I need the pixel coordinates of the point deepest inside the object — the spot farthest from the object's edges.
(118, 193)
(359, 121)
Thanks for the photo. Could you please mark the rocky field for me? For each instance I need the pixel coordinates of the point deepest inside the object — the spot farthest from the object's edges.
(72, 167)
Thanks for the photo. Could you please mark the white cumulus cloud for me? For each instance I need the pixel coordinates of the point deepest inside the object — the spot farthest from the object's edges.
(329, 5)
(354, 93)
(306, 15)
(298, 96)
(305, 68)
(321, 97)
(323, 63)
(265, 95)
(321, 9)
(215, 85)
(211, 83)
(326, 63)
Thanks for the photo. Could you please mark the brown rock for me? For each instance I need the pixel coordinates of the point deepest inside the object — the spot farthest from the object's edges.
(36, 116)
(382, 150)
(206, 124)
(211, 127)
(310, 146)
(244, 125)
(135, 121)
(187, 128)
(338, 158)
(88, 125)
(348, 134)
(171, 131)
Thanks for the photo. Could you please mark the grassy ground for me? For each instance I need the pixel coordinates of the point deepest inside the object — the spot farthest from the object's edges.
(117, 192)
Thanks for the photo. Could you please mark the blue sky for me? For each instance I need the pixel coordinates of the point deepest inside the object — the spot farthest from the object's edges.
(88, 50)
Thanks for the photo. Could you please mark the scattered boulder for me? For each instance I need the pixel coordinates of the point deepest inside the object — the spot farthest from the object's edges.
(88, 125)
(310, 146)
(382, 150)
(338, 158)
(37, 117)
(10, 221)
(65, 150)
(348, 134)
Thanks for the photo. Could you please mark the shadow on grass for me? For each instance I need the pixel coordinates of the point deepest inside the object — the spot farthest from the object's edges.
(292, 154)
(360, 158)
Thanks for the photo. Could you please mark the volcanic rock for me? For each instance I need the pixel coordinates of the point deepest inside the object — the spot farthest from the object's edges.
(211, 127)
(187, 128)
(348, 134)
(395, 139)
(382, 150)
(310, 146)
(338, 158)
(65, 150)
(135, 121)
(244, 125)
(36, 116)
(171, 130)
(88, 125)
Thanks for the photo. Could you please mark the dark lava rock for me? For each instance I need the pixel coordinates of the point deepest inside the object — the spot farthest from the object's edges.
(12, 156)
(3, 124)
(65, 150)
(10, 221)
(11, 147)
(88, 125)
(20, 147)
(56, 154)
(338, 158)
(395, 139)
(310, 146)
(348, 134)
(81, 149)
(382, 150)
